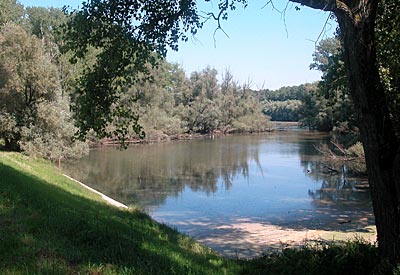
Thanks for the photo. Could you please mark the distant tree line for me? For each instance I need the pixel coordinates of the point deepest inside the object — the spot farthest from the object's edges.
(173, 104)
(39, 99)
(324, 105)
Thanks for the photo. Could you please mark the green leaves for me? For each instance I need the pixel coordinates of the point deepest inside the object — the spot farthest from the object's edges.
(33, 116)
(130, 37)
(10, 11)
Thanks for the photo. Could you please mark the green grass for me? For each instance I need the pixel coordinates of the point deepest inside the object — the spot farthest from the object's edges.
(51, 225)
(355, 257)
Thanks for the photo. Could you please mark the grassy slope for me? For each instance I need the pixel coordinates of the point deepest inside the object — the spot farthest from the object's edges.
(51, 225)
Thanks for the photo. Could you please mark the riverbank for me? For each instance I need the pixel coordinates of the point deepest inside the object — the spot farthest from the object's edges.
(49, 224)
(159, 136)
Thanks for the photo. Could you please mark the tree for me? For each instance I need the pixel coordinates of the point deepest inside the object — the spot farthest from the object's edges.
(388, 54)
(10, 11)
(357, 21)
(33, 116)
(309, 110)
(27, 79)
(45, 24)
(332, 96)
(149, 26)
(129, 35)
(201, 114)
(158, 101)
(51, 134)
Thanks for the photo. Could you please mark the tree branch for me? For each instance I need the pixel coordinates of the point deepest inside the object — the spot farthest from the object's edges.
(223, 7)
(325, 5)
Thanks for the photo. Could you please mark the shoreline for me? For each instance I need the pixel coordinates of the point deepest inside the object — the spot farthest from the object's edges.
(277, 126)
(106, 198)
(258, 239)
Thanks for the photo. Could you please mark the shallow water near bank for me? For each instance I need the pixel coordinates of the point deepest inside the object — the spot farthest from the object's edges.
(240, 195)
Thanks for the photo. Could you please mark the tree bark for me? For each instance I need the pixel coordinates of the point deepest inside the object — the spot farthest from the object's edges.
(381, 144)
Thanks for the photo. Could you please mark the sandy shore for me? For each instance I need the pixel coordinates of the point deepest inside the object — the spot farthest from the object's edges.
(246, 238)
(249, 239)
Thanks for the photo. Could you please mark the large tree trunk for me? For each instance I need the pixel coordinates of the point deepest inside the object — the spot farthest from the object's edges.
(381, 145)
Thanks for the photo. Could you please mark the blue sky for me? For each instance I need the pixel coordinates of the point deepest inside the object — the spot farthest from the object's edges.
(264, 48)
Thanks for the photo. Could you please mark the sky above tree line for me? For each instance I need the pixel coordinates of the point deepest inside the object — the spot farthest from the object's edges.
(258, 45)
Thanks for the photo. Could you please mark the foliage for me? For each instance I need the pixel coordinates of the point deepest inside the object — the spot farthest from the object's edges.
(354, 257)
(27, 79)
(329, 106)
(11, 11)
(284, 104)
(129, 35)
(387, 32)
(34, 117)
(45, 23)
(172, 104)
(51, 135)
(357, 151)
(284, 93)
(169, 103)
(287, 110)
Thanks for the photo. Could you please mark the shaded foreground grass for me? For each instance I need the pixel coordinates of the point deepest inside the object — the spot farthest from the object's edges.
(51, 225)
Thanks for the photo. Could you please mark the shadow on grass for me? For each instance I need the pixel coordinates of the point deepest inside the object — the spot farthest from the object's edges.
(47, 230)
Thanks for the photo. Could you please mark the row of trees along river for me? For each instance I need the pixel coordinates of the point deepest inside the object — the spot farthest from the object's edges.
(45, 100)
(35, 99)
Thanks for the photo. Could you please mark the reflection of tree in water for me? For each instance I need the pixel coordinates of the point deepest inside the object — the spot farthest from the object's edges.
(341, 190)
(345, 195)
(149, 174)
(338, 184)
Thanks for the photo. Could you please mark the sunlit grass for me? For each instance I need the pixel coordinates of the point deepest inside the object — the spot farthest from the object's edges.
(50, 225)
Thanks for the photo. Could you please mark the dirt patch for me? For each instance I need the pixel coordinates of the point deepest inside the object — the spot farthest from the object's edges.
(249, 239)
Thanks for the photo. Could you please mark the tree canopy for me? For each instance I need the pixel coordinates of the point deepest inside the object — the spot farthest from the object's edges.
(132, 32)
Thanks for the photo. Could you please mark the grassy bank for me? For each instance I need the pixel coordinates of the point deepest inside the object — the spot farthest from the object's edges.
(52, 225)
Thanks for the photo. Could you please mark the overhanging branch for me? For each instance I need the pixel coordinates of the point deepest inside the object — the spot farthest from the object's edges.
(325, 5)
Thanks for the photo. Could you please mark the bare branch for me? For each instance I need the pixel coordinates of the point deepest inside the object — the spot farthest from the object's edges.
(282, 12)
(325, 5)
(323, 28)
(324, 150)
(210, 15)
(339, 147)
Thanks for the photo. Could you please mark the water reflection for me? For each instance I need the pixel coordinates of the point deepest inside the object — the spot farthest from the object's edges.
(209, 187)
(147, 174)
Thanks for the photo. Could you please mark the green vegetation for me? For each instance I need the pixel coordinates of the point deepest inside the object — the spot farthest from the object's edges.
(285, 104)
(43, 97)
(140, 30)
(173, 104)
(114, 45)
(350, 258)
(51, 225)
(34, 112)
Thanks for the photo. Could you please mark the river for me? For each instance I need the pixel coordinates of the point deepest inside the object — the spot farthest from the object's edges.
(240, 195)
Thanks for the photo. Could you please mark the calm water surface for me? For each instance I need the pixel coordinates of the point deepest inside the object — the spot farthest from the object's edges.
(202, 186)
